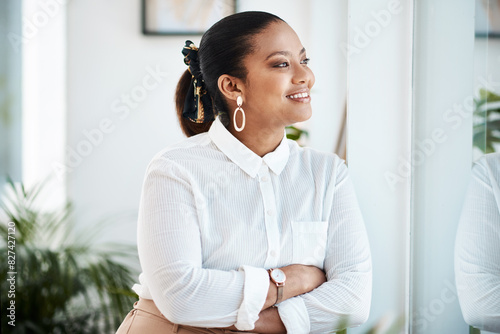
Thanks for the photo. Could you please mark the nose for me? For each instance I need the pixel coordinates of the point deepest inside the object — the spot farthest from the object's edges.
(303, 75)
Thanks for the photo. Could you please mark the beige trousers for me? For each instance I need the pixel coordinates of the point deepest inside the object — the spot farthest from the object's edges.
(145, 318)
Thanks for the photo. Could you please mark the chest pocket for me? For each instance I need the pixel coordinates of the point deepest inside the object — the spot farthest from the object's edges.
(309, 242)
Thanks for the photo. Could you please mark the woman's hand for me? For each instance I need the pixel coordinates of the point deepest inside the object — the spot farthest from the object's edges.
(299, 279)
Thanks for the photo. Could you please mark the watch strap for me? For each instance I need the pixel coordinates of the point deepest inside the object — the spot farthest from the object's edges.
(279, 298)
(279, 286)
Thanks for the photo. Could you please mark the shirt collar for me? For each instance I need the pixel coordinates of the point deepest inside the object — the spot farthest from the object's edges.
(245, 158)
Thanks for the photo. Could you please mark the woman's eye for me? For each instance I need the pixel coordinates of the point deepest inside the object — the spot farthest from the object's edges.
(284, 64)
(305, 61)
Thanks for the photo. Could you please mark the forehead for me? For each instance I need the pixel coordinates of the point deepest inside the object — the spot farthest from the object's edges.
(278, 36)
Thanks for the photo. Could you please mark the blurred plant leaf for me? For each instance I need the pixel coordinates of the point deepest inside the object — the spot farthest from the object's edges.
(66, 282)
(487, 121)
(486, 96)
(473, 330)
(295, 133)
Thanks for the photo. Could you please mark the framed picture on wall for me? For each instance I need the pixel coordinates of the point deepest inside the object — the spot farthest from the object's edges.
(183, 17)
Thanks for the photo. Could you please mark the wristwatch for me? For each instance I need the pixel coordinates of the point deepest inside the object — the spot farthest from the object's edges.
(279, 278)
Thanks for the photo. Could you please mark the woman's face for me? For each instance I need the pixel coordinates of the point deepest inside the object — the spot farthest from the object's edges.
(278, 82)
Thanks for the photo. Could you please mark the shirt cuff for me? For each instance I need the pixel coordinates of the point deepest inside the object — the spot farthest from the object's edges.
(255, 289)
(142, 289)
(294, 315)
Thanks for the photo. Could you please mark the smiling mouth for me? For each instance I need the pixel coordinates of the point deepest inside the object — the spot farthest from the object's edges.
(302, 97)
(298, 96)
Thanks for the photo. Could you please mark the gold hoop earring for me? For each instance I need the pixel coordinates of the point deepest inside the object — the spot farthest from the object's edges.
(239, 102)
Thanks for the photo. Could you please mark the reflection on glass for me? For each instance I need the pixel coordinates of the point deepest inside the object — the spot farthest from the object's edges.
(487, 73)
(477, 256)
(477, 252)
(487, 121)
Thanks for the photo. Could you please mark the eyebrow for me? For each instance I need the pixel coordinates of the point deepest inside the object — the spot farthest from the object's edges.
(285, 53)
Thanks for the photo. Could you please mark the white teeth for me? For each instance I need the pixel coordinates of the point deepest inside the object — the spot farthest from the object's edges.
(298, 96)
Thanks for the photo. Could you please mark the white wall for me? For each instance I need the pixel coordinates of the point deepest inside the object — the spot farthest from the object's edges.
(379, 137)
(108, 56)
(108, 59)
(43, 95)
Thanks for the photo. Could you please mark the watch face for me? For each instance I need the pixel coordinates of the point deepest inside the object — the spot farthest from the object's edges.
(278, 275)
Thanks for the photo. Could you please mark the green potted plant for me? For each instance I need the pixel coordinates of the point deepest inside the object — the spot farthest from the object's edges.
(60, 279)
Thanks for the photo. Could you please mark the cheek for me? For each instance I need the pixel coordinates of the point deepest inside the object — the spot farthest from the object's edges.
(272, 88)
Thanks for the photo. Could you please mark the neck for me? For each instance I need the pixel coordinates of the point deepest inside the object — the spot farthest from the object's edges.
(259, 139)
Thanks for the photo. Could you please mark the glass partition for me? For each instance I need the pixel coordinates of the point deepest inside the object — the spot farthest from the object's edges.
(443, 102)
(478, 235)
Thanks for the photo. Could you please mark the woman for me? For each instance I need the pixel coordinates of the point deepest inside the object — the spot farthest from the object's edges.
(477, 247)
(239, 228)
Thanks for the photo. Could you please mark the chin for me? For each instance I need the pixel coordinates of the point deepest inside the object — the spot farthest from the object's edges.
(303, 116)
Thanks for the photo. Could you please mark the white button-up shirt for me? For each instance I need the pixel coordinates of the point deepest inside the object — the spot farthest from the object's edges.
(214, 216)
(477, 252)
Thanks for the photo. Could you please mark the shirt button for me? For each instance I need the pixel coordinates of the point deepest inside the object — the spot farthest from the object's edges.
(264, 179)
(274, 253)
(270, 212)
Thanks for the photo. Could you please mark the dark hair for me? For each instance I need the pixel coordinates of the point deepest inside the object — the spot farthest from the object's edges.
(222, 50)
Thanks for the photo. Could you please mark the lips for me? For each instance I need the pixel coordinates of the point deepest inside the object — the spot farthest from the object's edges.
(298, 95)
(302, 96)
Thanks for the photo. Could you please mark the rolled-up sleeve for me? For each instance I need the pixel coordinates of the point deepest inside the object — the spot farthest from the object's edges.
(254, 296)
(171, 258)
(344, 300)
(294, 315)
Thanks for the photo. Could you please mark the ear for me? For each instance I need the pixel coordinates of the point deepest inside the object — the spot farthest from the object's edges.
(230, 86)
